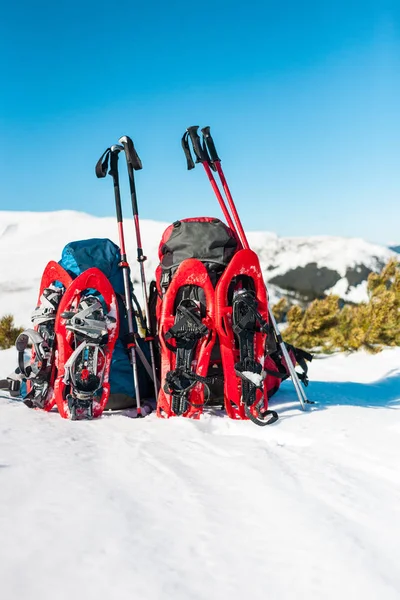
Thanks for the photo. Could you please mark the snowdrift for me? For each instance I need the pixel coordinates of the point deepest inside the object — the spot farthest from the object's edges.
(195, 510)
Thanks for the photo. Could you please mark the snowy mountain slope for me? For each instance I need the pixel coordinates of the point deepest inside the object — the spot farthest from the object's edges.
(309, 265)
(307, 508)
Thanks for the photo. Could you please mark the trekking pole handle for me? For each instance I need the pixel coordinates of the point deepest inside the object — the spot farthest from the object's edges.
(198, 150)
(209, 142)
(131, 154)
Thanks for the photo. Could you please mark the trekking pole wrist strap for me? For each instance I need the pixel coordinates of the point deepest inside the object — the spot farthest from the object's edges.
(102, 164)
(209, 144)
(132, 156)
(196, 142)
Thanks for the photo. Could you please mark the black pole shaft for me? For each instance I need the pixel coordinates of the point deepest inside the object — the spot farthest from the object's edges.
(129, 149)
(125, 273)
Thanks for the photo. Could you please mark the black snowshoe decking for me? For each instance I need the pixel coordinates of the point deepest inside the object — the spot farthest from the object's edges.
(187, 336)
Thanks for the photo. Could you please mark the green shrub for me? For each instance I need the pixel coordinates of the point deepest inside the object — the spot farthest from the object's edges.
(326, 327)
(8, 332)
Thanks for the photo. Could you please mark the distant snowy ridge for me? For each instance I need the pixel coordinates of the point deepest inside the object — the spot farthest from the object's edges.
(308, 266)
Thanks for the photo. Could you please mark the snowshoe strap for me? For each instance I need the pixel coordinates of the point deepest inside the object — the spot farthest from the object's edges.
(70, 374)
(42, 352)
(179, 382)
(82, 325)
(12, 384)
(250, 301)
(47, 309)
(262, 419)
(186, 330)
(251, 371)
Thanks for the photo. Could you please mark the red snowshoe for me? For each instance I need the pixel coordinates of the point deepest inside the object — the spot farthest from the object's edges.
(241, 321)
(87, 329)
(40, 372)
(187, 336)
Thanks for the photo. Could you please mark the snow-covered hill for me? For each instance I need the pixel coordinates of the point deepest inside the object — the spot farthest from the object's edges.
(308, 265)
(305, 509)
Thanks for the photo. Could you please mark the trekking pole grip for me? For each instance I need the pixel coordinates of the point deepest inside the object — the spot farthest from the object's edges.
(194, 136)
(131, 154)
(210, 144)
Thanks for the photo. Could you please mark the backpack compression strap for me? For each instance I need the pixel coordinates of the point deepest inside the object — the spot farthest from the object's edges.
(301, 357)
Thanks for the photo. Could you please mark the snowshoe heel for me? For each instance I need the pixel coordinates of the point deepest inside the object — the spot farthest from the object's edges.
(80, 408)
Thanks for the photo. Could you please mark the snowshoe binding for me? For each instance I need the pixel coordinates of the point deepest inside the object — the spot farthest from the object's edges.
(86, 334)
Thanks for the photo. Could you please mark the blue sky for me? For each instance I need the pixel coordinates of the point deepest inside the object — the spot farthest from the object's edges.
(303, 99)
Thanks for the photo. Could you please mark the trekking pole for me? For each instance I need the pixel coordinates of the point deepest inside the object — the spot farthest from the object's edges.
(134, 163)
(209, 144)
(202, 157)
(101, 171)
(207, 155)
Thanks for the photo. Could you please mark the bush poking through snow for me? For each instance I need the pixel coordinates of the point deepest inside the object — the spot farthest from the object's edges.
(324, 326)
(8, 332)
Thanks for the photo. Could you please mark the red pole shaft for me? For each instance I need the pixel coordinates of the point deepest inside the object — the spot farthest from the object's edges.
(220, 197)
(232, 206)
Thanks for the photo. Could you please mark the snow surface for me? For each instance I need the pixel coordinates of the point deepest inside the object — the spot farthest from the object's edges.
(45, 234)
(307, 508)
(255, 378)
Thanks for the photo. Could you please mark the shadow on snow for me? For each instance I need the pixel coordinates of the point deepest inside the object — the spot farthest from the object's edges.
(383, 393)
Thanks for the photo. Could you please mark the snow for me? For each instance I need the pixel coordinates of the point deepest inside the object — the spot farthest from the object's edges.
(356, 294)
(46, 233)
(308, 508)
(255, 378)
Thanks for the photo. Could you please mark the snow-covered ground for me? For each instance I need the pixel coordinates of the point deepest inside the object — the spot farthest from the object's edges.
(308, 508)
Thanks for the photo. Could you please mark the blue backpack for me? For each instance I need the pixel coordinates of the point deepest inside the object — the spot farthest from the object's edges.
(105, 255)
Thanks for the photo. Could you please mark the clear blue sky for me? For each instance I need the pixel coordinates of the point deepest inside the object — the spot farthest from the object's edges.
(303, 99)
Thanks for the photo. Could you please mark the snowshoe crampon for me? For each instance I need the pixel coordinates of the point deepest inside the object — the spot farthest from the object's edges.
(40, 372)
(187, 336)
(86, 329)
